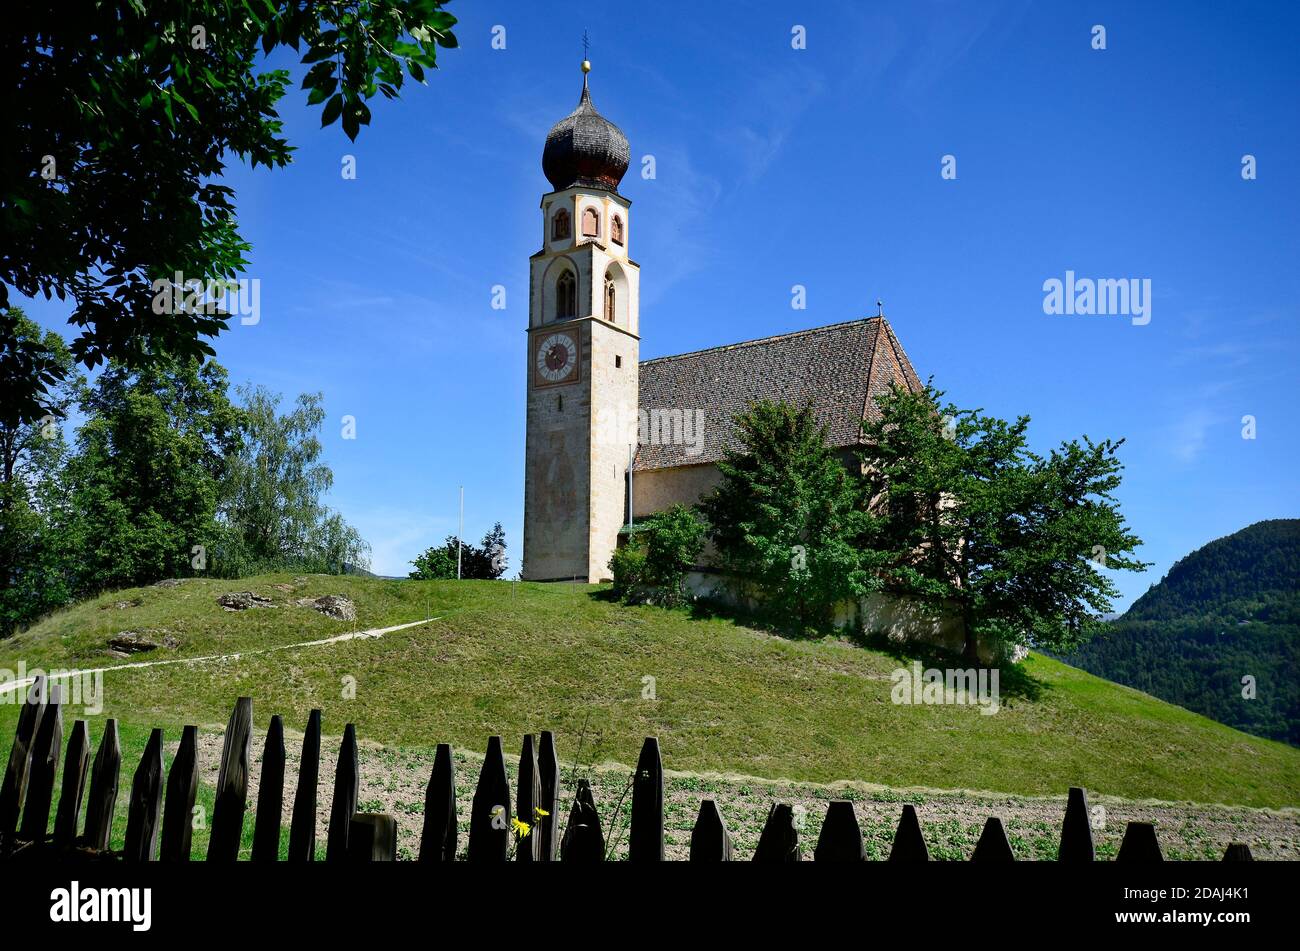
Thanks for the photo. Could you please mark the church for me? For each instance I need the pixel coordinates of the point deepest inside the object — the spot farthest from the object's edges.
(612, 439)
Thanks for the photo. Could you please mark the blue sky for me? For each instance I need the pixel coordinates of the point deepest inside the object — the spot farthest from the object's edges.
(821, 167)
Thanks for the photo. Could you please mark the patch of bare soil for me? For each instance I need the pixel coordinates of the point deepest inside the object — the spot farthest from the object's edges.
(393, 781)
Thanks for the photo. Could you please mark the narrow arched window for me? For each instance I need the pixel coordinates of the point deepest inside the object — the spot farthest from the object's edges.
(611, 300)
(590, 223)
(566, 296)
(560, 225)
(616, 230)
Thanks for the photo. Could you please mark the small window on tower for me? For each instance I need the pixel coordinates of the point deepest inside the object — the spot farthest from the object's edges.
(616, 230)
(590, 223)
(611, 300)
(618, 363)
(560, 225)
(566, 296)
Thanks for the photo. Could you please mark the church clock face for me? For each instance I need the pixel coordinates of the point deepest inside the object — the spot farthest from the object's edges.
(557, 358)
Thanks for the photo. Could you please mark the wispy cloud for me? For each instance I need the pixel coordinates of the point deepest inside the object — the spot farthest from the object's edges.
(397, 536)
(677, 212)
(775, 100)
(1190, 432)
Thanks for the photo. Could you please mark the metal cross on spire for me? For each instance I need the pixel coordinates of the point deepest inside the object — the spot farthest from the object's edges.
(585, 44)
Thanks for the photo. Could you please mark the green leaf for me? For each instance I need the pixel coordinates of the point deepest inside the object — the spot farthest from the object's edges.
(318, 53)
(351, 123)
(332, 110)
(322, 92)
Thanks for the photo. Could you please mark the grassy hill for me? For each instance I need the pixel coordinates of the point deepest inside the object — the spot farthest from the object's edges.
(508, 658)
(1228, 609)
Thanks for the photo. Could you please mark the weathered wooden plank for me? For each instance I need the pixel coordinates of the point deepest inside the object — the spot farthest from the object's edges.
(1238, 852)
(104, 777)
(1140, 844)
(232, 785)
(46, 748)
(439, 837)
(302, 829)
(710, 841)
(841, 836)
(372, 837)
(178, 807)
(909, 843)
(270, 795)
(528, 803)
(779, 840)
(489, 815)
(548, 764)
(583, 840)
(646, 839)
(347, 787)
(76, 764)
(144, 813)
(1076, 830)
(993, 846)
(13, 790)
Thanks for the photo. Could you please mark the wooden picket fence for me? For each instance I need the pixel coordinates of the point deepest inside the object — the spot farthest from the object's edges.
(160, 828)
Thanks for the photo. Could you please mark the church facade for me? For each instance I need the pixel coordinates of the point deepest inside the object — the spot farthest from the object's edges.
(611, 438)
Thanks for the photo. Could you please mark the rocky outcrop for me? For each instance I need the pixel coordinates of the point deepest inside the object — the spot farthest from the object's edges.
(243, 600)
(333, 605)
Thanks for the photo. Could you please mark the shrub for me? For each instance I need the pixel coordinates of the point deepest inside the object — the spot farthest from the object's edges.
(628, 568)
(657, 556)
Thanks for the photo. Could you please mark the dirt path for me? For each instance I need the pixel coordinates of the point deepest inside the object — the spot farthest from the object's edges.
(55, 677)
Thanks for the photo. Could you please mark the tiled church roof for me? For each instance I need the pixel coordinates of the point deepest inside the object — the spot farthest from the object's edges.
(841, 368)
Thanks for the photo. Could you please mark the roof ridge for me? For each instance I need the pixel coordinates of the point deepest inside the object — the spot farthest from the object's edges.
(758, 340)
(900, 355)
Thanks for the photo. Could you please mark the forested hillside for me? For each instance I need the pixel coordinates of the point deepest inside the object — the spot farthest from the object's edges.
(1228, 611)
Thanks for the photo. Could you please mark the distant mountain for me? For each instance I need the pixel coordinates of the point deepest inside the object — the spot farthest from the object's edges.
(1229, 610)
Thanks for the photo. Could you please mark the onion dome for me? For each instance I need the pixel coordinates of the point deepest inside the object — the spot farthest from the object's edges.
(584, 148)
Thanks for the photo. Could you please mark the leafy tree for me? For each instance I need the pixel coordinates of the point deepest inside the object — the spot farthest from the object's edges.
(34, 576)
(270, 513)
(971, 517)
(786, 518)
(485, 561)
(436, 564)
(146, 477)
(661, 550)
(120, 121)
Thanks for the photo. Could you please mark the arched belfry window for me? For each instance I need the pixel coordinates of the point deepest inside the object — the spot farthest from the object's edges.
(560, 225)
(611, 299)
(566, 296)
(590, 223)
(616, 230)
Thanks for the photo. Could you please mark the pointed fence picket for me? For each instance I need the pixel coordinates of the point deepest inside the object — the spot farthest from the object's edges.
(27, 799)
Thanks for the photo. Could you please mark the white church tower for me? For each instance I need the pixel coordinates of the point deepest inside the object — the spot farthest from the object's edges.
(583, 354)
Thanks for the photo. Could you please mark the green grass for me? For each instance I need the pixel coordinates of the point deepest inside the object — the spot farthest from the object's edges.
(513, 658)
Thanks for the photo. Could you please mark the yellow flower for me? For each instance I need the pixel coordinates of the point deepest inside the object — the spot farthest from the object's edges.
(521, 828)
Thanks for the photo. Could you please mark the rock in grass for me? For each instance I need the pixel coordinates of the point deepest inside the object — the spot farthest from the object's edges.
(333, 605)
(133, 642)
(242, 601)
